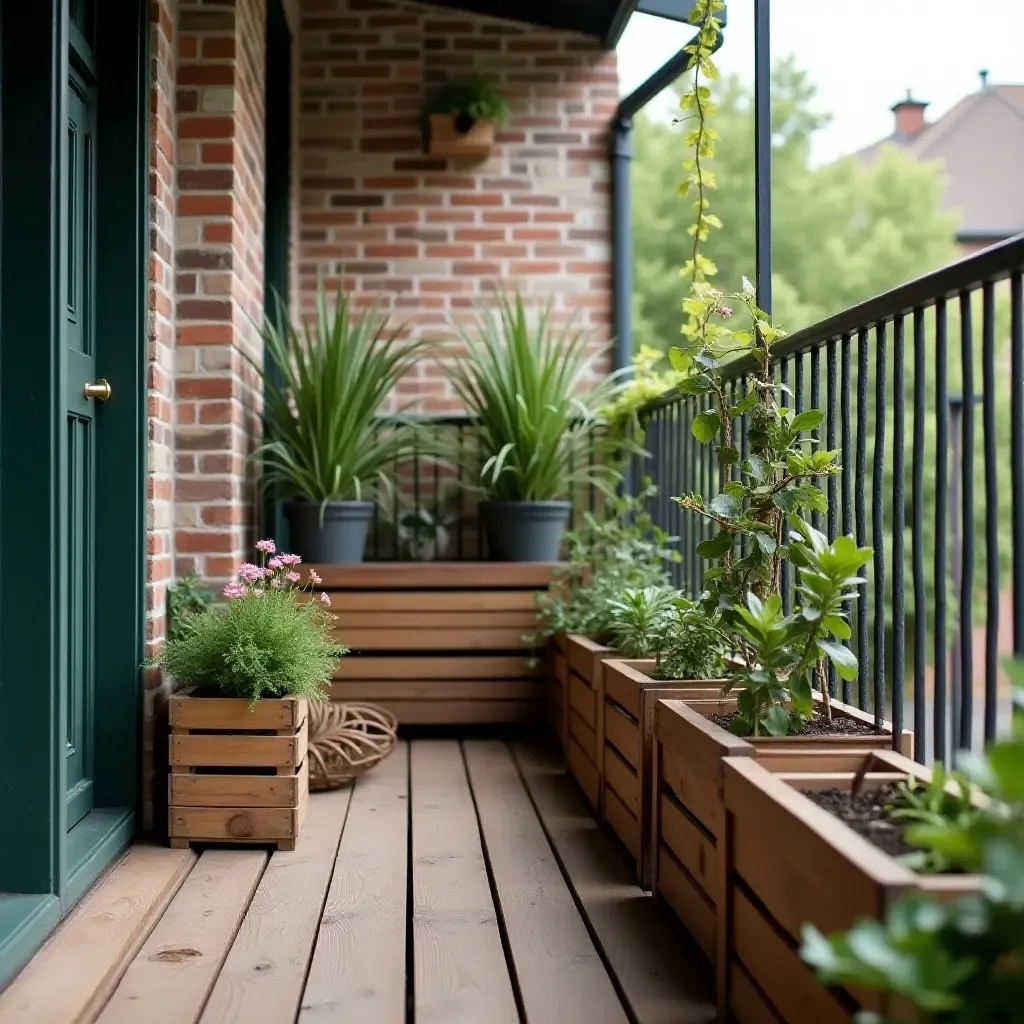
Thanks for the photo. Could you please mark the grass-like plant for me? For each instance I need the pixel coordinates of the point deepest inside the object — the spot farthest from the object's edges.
(269, 639)
(471, 96)
(323, 387)
(691, 644)
(529, 387)
(638, 620)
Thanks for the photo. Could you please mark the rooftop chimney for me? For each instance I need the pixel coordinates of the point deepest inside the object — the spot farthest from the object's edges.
(983, 75)
(909, 116)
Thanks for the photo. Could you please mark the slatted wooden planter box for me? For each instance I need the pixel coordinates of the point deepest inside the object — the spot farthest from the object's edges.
(584, 726)
(558, 690)
(439, 643)
(789, 861)
(630, 696)
(688, 812)
(237, 775)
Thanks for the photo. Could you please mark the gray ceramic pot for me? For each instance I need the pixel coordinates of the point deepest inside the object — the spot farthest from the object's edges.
(339, 539)
(524, 531)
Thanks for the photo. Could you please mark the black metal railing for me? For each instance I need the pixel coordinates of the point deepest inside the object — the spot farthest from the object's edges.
(945, 515)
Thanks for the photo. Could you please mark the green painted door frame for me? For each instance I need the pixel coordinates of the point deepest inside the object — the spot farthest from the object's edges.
(45, 866)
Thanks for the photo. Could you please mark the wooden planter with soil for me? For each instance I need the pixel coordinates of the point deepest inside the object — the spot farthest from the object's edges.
(688, 812)
(584, 711)
(237, 775)
(789, 860)
(630, 696)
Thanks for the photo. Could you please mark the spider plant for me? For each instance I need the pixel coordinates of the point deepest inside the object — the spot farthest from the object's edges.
(532, 389)
(323, 387)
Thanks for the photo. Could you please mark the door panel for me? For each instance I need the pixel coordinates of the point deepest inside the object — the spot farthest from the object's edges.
(79, 484)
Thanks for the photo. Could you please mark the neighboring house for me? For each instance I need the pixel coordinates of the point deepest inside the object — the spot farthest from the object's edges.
(981, 144)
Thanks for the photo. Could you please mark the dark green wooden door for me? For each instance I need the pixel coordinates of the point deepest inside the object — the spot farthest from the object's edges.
(79, 484)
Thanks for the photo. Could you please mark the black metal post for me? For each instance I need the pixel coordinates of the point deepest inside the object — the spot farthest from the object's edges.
(763, 152)
(622, 241)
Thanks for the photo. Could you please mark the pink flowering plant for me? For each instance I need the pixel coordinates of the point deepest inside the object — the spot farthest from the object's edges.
(271, 637)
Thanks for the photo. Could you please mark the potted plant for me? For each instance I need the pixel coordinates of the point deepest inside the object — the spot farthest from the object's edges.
(526, 384)
(462, 116)
(239, 732)
(326, 452)
(823, 841)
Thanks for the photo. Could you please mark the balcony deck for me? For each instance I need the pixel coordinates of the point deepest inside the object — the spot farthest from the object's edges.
(459, 882)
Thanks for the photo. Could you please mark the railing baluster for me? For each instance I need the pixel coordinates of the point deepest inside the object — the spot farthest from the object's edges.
(863, 651)
(847, 473)
(1017, 453)
(917, 515)
(940, 581)
(816, 404)
(899, 623)
(966, 638)
(787, 569)
(878, 523)
(988, 371)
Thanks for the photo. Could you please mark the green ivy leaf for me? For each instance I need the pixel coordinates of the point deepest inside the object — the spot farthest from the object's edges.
(728, 454)
(766, 543)
(837, 626)
(705, 427)
(726, 506)
(785, 500)
(810, 497)
(803, 699)
(679, 360)
(776, 721)
(716, 547)
(842, 657)
(808, 420)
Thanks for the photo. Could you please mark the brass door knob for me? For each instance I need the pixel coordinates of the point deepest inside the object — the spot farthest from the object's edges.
(100, 390)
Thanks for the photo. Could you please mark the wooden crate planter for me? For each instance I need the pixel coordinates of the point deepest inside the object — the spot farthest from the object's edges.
(237, 776)
(446, 140)
(440, 643)
(558, 690)
(788, 861)
(584, 726)
(688, 812)
(630, 695)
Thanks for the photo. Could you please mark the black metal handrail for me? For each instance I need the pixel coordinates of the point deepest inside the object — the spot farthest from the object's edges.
(871, 369)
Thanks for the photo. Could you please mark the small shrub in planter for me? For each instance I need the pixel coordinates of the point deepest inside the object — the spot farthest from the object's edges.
(239, 732)
(526, 385)
(326, 454)
(462, 116)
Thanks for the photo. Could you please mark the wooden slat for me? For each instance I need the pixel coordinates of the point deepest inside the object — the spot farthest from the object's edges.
(461, 975)
(215, 790)
(432, 689)
(358, 968)
(584, 736)
(622, 779)
(691, 847)
(582, 700)
(489, 638)
(582, 651)
(561, 977)
(622, 821)
(286, 713)
(227, 751)
(436, 575)
(234, 824)
(623, 733)
(71, 978)
(440, 667)
(658, 977)
(745, 1001)
(263, 976)
(172, 975)
(435, 600)
(462, 712)
(346, 622)
(689, 902)
(584, 772)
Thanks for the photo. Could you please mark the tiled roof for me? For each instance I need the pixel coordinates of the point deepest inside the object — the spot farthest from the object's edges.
(981, 143)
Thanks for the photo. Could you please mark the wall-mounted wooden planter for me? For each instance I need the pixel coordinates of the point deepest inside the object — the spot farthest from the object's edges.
(688, 812)
(584, 726)
(630, 695)
(237, 776)
(446, 140)
(439, 643)
(787, 862)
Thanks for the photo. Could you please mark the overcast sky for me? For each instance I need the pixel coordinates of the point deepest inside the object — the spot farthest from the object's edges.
(863, 55)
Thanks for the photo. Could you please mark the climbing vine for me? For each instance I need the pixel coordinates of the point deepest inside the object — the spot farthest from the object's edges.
(698, 106)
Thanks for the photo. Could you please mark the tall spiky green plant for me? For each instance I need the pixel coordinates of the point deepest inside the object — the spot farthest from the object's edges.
(323, 385)
(531, 389)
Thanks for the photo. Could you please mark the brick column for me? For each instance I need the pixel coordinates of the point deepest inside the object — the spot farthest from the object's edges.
(219, 279)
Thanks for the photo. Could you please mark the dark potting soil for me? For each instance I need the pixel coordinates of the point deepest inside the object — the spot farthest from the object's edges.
(866, 815)
(816, 726)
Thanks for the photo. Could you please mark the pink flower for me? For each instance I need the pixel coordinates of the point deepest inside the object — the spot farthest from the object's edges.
(250, 573)
(276, 583)
(292, 577)
(325, 598)
(266, 546)
(314, 578)
(290, 559)
(233, 590)
(275, 563)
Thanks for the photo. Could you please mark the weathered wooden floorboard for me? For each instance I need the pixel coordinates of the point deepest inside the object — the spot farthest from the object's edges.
(171, 978)
(265, 971)
(73, 975)
(461, 976)
(561, 977)
(358, 968)
(662, 980)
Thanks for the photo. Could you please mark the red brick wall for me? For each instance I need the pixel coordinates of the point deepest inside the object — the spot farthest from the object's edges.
(429, 236)
(219, 264)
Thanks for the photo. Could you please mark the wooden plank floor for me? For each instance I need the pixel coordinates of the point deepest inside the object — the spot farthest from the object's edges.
(458, 883)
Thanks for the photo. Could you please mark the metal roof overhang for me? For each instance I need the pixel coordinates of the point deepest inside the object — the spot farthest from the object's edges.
(602, 19)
